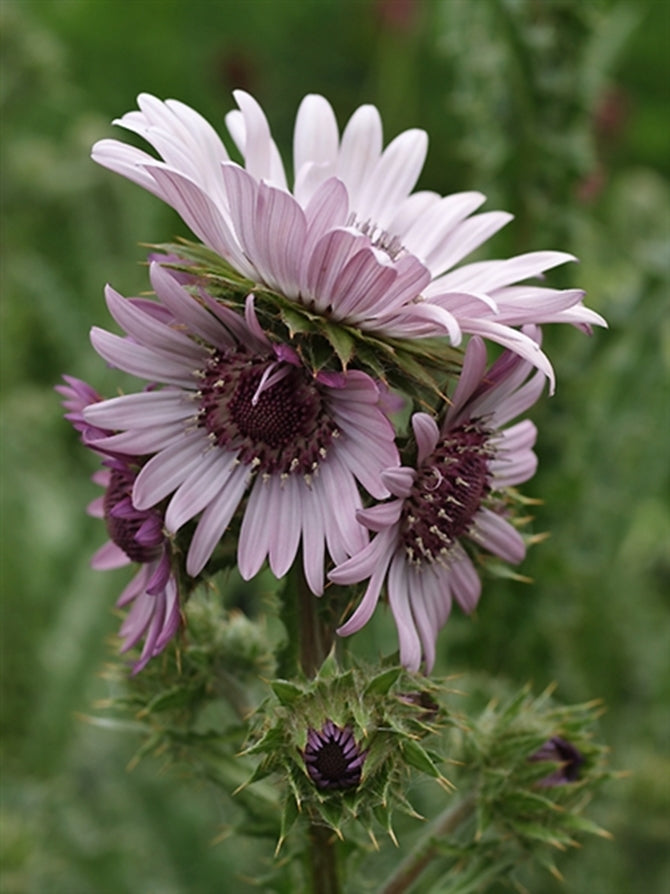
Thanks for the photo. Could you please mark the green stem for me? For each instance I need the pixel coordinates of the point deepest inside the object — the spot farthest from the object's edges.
(409, 869)
(323, 859)
(315, 639)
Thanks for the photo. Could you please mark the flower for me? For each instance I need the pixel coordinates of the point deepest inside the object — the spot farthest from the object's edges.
(448, 498)
(135, 536)
(332, 757)
(351, 240)
(239, 414)
(562, 752)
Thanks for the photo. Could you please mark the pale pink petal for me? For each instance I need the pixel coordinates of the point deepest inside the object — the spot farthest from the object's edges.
(498, 536)
(280, 231)
(257, 528)
(467, 237)
(399, 481)
(426, 434)
(109, 556)
(214, 521)
(393, 177)
(127, 161)
(373, 563)
(466, 584)
(143, 410)
(184, 306)
(399, 602)
(290, 496)
(168, 469)
(474, 365)
(313, 540)
(381, 516)
(200, 488)
(140, 361)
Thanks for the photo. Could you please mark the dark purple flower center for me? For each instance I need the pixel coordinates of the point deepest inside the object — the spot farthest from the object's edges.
(332, 757)
(136, 532)
(280, 424)
(448, 491)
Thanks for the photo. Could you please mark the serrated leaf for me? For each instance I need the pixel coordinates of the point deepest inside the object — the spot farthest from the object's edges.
(171, 698)
(581, 824)
(341, 341)
(539, 832)
(288, 818)
(287, 693)
(418, 758)
(295, 321)
(273, 738)
(383, 682)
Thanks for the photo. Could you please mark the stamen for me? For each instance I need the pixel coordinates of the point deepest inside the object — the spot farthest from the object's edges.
(446, 495)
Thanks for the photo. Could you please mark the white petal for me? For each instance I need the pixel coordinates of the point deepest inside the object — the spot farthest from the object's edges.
(315, 138)
(360, 149)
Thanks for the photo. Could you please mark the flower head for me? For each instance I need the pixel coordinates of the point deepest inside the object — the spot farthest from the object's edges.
(564, 753)
(240, 414)
(136, 535)
(350, 240)
(449, 498)
(332, 757)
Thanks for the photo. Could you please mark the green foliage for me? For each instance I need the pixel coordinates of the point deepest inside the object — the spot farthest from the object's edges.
(420, 368)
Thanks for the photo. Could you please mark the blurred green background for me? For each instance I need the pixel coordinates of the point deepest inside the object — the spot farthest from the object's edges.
(558, 111)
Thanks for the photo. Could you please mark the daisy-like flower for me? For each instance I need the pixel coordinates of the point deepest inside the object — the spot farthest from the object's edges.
(332, 758)
(136, 536)
(350, 240)
(239, 414)
(448, 498)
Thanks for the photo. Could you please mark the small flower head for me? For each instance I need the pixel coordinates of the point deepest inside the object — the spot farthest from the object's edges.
(564, 753)
(332, 757)
(346, 742)
(453, 497)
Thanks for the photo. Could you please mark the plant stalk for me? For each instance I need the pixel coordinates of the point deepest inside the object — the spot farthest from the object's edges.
(409, 869)
(315, 642)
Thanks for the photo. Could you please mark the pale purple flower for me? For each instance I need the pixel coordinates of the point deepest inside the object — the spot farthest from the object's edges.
(450, 496)
(136, 536)
(332, 758)
(240, 415)
(350, 239)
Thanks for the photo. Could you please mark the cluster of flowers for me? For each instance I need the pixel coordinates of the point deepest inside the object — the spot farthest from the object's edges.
(237, 435)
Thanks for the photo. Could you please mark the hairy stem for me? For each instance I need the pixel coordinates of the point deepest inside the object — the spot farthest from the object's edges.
(316, 638)
(315, 641)
(409, 869)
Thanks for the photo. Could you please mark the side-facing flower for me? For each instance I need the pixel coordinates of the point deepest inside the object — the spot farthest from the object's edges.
(240, 414)
(136, 536)
(450, 497)
(350, 240)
